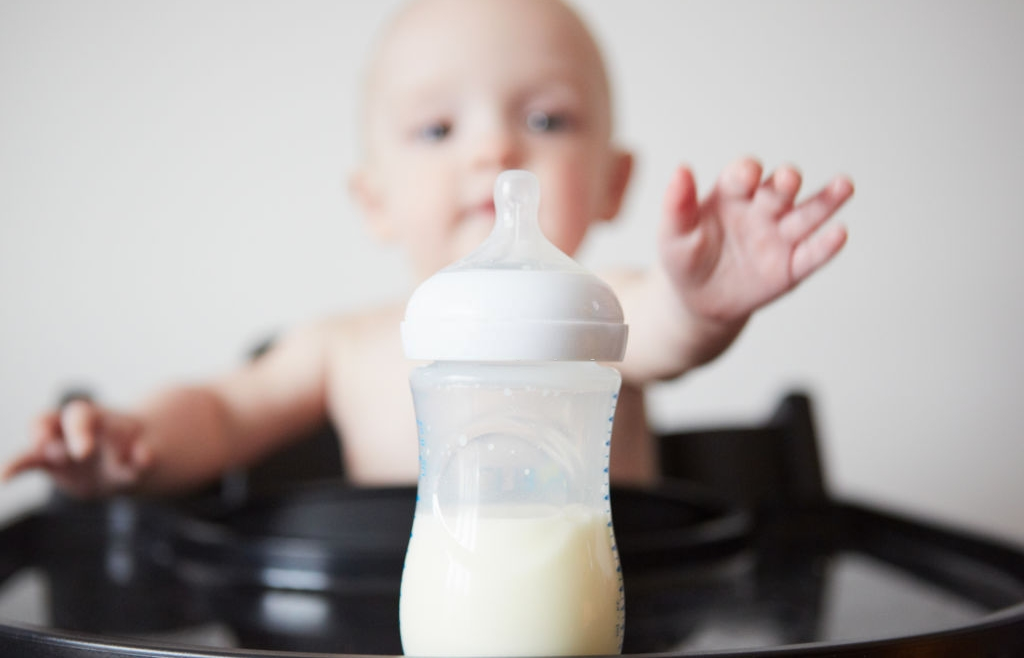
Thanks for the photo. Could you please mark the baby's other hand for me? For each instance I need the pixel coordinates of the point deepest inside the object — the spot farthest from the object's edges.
(89, 451)
(747, 243)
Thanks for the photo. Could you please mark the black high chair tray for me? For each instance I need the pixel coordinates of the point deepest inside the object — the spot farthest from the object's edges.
(316, 569)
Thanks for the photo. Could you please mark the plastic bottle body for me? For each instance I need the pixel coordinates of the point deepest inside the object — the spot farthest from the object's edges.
(512, 550)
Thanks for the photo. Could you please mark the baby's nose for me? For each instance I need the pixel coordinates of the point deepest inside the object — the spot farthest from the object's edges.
(498, 148)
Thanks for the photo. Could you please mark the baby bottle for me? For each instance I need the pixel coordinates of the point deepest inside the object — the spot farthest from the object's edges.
(512, 550)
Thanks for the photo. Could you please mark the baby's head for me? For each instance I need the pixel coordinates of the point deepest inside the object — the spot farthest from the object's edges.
(459, 90)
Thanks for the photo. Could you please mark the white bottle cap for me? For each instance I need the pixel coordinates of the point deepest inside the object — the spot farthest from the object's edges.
(517, 297)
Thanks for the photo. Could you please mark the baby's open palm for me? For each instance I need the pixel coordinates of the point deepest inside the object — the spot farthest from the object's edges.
(746, 243)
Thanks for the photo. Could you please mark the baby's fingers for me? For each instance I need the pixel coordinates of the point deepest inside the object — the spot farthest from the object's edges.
(805, 218)
(25, 462)
(47, 451)
(89, 429)
(122, 434)
(816, 250)
(681, 210)
(776, 194)
(739, 180)
(80, 422)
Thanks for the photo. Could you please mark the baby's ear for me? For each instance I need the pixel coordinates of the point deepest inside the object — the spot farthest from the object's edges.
(370, 199)
(620, 171)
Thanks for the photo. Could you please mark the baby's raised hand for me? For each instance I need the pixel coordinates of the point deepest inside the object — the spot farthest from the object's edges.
(746, 243)
(87, 449)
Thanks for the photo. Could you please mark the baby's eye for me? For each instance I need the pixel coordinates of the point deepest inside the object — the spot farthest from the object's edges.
(434, 132)
(546, 122)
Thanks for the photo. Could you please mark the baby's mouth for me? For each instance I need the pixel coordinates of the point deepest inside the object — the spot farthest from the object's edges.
(480, 211)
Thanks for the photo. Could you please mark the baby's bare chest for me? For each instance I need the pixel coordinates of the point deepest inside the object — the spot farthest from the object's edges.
(370, 402)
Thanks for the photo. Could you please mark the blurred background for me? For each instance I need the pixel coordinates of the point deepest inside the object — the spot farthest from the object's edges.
(172, 191)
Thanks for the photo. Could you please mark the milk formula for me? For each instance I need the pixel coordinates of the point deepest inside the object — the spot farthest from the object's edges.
(512, 581)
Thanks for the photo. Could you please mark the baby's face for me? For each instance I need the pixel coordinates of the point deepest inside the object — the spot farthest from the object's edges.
(464, 89)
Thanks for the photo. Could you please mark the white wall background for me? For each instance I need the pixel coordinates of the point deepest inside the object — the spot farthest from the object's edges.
(171, 190)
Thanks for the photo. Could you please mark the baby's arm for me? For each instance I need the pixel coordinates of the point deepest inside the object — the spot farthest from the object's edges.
(185, 436)
(745, 245)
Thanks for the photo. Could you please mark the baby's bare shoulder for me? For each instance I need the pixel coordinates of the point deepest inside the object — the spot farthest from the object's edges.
(360, 341)
(367, 371)
(362, 328)
(342, 328)
(625, 282)
(620, 276)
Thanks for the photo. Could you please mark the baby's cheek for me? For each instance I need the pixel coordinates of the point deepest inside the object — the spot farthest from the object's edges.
(564, 225)
(567, 211)
(473, 233)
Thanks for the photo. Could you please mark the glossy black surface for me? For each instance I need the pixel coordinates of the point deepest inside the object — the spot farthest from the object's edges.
(767, 565)
(317, 570)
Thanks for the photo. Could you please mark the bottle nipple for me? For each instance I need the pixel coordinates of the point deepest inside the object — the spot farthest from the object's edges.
(516, 200)
(517, 196)
(515, 297)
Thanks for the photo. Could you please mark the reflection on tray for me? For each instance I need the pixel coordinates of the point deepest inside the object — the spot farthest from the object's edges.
(148, 575)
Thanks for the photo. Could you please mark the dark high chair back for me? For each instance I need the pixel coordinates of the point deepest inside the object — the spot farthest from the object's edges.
(767, 465)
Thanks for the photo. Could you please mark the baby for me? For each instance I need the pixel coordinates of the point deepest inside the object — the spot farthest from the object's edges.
(456, 92)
